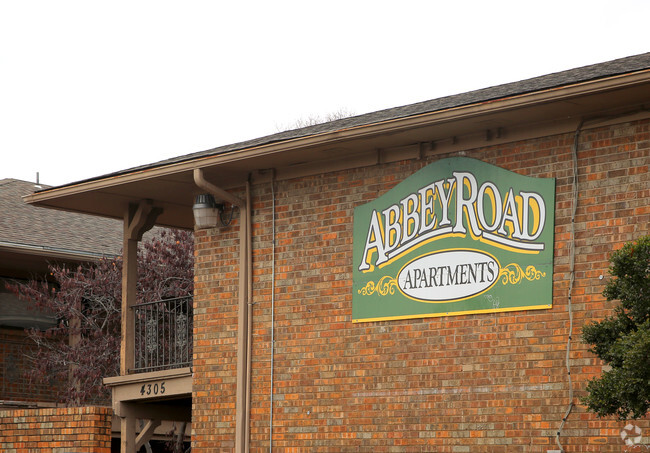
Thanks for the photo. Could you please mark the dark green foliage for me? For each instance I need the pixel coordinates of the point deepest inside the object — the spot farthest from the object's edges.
(623, 339)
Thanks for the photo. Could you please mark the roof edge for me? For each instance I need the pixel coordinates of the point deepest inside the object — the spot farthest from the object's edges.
(53, 252)
(189, 162)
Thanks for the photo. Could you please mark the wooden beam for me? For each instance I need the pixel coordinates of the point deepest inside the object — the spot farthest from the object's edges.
(153, 388)
(142, 217)
(174, 373)
(146, 433)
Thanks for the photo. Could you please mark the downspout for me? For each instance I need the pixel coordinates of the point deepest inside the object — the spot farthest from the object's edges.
(249, 329)
(272, 311)
(242, 407)
(242, 335)
(219, 193)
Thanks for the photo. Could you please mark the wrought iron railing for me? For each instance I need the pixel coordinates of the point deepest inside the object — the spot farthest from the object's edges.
(163, 334)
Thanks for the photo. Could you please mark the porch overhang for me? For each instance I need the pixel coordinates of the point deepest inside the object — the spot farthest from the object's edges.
(156, 397)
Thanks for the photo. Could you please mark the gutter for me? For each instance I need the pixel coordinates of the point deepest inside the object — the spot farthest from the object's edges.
(43, 250)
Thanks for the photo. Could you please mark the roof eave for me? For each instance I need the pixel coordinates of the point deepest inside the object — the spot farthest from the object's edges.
(63, 197)
(52, 253)
(384, 127)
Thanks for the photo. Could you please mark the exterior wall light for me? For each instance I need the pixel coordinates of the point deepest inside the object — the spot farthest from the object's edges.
(206, 211)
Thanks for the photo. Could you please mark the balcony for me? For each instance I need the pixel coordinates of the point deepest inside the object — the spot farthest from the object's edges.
(163, 335)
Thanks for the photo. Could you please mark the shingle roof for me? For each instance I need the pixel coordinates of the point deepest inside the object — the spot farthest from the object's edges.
(22, 224)
(558, 79)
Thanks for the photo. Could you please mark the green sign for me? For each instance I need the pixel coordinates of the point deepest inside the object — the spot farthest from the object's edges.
(459, 236)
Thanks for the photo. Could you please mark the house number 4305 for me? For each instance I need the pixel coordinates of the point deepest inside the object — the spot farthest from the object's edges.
(153, 389)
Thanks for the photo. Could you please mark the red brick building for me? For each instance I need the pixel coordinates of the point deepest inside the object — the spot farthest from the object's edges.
(278, 361)
(30, 239)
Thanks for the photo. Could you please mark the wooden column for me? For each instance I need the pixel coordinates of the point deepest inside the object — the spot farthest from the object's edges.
(127, 434)
(137, 220)
(129, 279)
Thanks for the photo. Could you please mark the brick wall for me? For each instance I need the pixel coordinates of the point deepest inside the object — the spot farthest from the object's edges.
(215, 338)
(474, 383)
(15, 385)
(60, 430)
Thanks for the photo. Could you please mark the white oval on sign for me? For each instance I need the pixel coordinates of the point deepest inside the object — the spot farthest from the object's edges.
(448, 275)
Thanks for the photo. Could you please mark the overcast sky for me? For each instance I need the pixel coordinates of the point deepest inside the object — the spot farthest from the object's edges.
(91, 87)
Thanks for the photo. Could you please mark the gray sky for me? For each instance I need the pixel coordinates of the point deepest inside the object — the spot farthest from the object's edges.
(91, 87)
